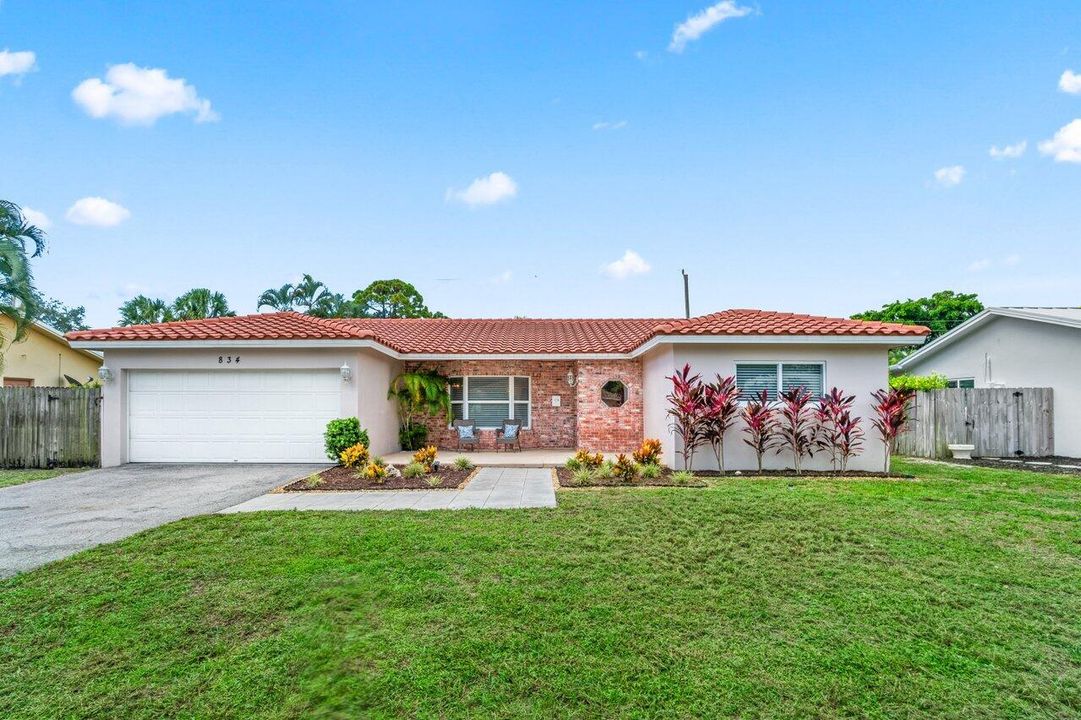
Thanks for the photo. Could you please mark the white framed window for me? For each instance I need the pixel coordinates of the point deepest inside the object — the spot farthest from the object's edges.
(776, 378)
(961, 383)
(490, 399)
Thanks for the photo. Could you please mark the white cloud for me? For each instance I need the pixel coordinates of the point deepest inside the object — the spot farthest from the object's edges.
(979, 265)
(950, 176)
(1011, 260)
(489, 190)
(139, 96)
(630, 264)
(641, 54)
(98, 212)
(16, 63)
(1070, 82)
(503, 278)
(696, 26)
(605, 125)
(37, 218)
(985, 263)
(1008, 151)
(1065, 146)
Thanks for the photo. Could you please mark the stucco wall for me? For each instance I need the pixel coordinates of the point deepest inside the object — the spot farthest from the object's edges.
(856, 369)
(363, 397)
(1010, 352)
(42, 358)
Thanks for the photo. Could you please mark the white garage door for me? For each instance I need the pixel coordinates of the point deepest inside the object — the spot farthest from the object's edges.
(230, 415)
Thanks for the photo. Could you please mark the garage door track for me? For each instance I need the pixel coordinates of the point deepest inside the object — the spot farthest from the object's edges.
(50, 519)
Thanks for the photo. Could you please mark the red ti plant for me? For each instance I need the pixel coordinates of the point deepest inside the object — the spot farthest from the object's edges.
(891, 416)
(829, 408)
(795, 425)
(721, 401)
(848, 438)
(760, 425)
(686, 410)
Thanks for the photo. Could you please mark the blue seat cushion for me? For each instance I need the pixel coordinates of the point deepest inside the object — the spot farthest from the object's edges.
(465, 432)
(510, 431)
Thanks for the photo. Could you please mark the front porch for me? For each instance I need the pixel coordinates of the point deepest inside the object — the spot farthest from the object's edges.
(533, 457)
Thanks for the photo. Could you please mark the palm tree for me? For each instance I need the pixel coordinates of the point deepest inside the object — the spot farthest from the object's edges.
(201, 303)
(141, 310)
(309, 293)
(18, 298)
(281, 299)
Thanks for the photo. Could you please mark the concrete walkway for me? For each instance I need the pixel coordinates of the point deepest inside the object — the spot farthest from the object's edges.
(491, 489)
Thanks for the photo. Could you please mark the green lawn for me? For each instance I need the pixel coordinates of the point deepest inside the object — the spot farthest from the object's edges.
(18, 477)
(957, 595)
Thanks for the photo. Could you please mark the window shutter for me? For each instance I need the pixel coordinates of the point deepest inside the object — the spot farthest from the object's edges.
(808, 375)
(756, 377)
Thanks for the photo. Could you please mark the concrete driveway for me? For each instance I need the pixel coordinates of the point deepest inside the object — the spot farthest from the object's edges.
(50, 519)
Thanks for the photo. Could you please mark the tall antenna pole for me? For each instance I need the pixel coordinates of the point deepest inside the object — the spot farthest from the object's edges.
(686, 294)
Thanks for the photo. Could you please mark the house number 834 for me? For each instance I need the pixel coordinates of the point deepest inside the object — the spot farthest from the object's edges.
(228, 359)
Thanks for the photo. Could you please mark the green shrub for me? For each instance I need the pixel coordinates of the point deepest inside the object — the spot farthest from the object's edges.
(434, 480)
(341, 434)
(413, 436)
(583, 476)
(463, 463)
(414, 470)
(605, 470)
(682, 477)
(934, 381)
(650, 471)
(313, 481)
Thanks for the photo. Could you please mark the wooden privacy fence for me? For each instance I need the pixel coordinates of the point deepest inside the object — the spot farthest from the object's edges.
(43, 427)
(1000, 422)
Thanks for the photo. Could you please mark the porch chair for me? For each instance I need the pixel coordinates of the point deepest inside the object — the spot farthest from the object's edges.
(509, 435)
(466, 433)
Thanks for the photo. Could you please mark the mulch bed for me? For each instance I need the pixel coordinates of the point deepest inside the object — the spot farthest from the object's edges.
(1055, 464)
(566, 477)
(343, 478)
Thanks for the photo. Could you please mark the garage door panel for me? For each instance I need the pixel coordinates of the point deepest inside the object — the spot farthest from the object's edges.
(230, 415)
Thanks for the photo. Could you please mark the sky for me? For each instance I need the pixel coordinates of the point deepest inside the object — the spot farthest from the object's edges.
(549, 159)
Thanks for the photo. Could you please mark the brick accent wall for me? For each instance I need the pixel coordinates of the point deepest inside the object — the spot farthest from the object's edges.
(605, 428)
(550, 427)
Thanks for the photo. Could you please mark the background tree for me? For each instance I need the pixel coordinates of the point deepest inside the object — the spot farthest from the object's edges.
(310, 293)
(418, 395)
(142, 310)
(392, 299)
(201, 303)
(941, 312)
(280, 300)
(59, 316)
(18, 298)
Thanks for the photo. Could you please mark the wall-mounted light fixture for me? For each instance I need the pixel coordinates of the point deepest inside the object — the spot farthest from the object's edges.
(571, 380)
(105, 373)
(347, 372)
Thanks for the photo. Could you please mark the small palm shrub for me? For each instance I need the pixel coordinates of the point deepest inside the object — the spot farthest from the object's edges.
(414, 470)
(648, 453)
(463, 463)
(354, 455)
(343, 433)
(682, 477)
(650, 471)
(587, 459)
(624, 468)
(426, 457)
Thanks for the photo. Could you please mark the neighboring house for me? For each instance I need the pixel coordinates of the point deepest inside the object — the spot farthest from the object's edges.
(42, 358)
(261, 387)
(1014, 347)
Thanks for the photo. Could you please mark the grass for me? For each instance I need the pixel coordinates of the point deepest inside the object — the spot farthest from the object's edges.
(956, 595)
(18, 477)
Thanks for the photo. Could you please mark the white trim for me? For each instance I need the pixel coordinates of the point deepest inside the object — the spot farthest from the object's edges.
(976, 321)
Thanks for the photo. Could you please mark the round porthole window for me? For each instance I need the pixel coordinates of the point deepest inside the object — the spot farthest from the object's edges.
(614, 393)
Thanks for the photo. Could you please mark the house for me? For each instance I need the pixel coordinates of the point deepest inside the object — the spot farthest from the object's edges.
(261, 387)
(42, 358)
(1014, 347)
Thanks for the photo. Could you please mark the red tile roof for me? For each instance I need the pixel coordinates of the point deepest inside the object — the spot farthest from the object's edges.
(498, 336)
